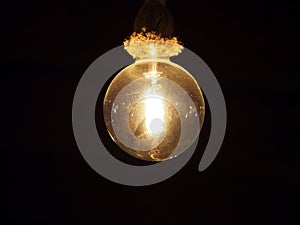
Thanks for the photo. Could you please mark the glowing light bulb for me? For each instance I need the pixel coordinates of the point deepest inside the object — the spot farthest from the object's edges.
(153, 109)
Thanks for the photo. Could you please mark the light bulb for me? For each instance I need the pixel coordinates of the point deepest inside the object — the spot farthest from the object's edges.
(153, 109)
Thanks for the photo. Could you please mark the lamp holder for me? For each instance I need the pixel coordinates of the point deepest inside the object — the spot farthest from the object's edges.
(154, 16)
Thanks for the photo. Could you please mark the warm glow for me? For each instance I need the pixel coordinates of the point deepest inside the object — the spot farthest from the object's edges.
(157, 115)
(154, 114)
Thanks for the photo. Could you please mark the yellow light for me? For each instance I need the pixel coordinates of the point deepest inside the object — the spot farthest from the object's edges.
(153, 109)
(154, 113)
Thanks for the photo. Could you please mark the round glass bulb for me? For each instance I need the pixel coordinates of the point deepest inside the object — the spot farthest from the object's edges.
(154, 109)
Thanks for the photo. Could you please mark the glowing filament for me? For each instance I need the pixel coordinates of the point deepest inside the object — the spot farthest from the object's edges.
(153, 75)
(154, 113)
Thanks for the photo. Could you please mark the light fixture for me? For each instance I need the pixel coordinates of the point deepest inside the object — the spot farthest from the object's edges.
(154, 108)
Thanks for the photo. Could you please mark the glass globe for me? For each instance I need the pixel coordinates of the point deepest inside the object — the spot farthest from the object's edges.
(154, 109)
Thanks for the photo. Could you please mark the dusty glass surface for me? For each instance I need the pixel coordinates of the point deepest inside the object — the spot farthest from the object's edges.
(154, 109)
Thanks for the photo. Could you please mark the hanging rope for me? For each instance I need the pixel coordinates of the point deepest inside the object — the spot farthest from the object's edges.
(154, 16)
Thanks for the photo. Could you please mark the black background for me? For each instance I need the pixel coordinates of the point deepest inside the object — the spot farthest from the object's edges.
(251, 48)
